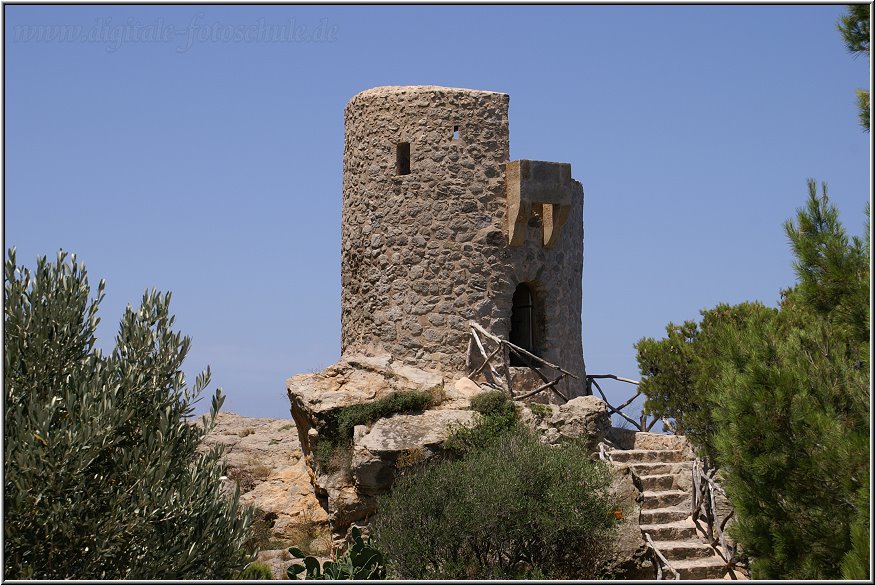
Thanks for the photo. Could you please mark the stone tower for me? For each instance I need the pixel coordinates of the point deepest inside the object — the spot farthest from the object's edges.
(440, 228)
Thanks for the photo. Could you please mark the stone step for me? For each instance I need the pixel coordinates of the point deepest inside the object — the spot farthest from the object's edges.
(708, 568)
(663, 515)
(665, 499)
(648, 456)
(630, 439)
(681, 530)
(647, 469)
(654, 483)
(681, 550)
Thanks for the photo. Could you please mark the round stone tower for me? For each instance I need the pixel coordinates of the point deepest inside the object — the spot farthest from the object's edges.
(440, 228)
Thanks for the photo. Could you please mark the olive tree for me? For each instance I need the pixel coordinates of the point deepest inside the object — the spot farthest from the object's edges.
(102, 473)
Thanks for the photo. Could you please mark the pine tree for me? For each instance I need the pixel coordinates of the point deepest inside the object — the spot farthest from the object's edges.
(779, 400)
(854, 27)
(833, 271)
(792, 439)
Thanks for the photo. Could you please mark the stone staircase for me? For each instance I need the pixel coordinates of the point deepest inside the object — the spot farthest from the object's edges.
(662, 467)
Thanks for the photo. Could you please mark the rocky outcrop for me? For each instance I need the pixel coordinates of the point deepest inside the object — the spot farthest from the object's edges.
(348, 481)
(274, 461)
(264, 458)
(353, 380)
(582, 417)
(411, 439)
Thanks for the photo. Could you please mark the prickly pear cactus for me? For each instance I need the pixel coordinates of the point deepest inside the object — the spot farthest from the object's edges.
(361, 561)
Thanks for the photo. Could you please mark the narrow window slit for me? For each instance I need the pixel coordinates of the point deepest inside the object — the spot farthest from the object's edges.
(402, 158)
(456, 134)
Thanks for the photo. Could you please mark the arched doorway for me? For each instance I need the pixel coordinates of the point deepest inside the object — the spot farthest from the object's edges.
(522, 322)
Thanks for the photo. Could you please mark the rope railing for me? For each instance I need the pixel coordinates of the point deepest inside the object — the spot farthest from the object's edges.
(503, 380)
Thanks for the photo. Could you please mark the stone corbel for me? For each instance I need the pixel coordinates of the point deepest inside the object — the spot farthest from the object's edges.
(546, 184)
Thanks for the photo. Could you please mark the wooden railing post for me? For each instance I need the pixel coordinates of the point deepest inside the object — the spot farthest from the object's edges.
(505, 348)
(662, 561)
(705, 507)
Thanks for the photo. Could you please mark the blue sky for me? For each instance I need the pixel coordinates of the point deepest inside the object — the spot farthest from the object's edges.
(212, 168)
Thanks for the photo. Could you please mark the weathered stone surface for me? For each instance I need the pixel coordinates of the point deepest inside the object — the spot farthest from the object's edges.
(532, 185)
(413, 438)
(357, 379)
(630, 559)
(264, 456)
(425, 249)
(465, 388)
(660, 466)
(405, 431)
(347, 493)
(632, 439)
(582, 417)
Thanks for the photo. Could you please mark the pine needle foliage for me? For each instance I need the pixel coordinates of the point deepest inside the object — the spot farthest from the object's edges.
(854, 27)
(779, 399)
(102, 476)
(832, 270)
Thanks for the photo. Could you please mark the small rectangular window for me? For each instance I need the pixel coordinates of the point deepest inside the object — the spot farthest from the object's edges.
(456, 133)
(402, 160)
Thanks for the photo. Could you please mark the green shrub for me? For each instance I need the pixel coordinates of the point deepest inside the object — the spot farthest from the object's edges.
(364, 414)
(492, 402)
(256, 571)
(334, 454)
(498, 416)
(509, 508)
(334, 448)
(541, 410)
(102, 474)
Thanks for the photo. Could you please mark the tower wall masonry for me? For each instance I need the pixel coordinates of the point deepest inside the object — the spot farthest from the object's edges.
(427, 251)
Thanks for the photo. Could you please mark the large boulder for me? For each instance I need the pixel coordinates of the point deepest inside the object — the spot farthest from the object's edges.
(398, 441)
(584, 417)
(355, 379)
